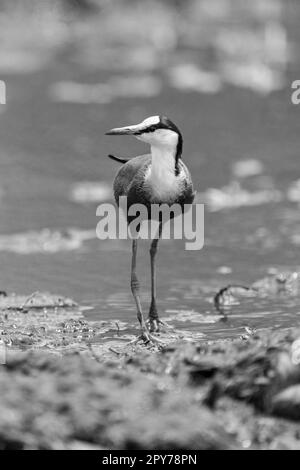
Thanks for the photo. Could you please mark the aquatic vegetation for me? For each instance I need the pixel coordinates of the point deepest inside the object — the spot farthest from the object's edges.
(91, 191)
(36, 300)
(234, 196)
(45, 241)
(246, 168)
(47, 322)
(189, 77)
(142, 86)
(293, 193)
(281, 283)
(189, 316)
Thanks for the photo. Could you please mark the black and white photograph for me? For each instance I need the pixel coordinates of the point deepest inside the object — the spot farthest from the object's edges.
(149, 228)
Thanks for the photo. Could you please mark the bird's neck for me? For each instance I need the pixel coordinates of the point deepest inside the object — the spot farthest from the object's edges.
(162, 177)
(163, 162)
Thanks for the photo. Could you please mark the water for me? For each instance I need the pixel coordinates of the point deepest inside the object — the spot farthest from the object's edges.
(47, 147)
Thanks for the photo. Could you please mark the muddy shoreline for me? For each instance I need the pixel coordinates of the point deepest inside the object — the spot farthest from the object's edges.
(62, 391)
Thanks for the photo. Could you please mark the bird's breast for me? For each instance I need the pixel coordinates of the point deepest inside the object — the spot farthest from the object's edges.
(161, 186)
(164, 186)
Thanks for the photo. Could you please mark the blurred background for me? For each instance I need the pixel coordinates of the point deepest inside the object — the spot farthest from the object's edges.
(222, 71)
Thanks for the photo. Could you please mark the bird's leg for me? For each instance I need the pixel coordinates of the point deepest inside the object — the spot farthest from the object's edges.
(153, 320)
(135, 287)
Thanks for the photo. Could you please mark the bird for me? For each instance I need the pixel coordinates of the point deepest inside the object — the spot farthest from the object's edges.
(159, 177)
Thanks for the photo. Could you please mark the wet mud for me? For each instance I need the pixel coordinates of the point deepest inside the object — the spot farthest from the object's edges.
(62, 390)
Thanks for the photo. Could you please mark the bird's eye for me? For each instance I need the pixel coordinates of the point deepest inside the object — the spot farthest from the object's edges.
(152, 128)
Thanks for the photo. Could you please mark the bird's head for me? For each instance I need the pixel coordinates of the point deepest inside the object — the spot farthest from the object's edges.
(158, 131)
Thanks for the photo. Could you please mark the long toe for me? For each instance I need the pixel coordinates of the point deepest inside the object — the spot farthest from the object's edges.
(155, 325)
(147, 338)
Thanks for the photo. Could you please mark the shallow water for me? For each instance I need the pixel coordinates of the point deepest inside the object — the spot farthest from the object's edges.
(47, 148)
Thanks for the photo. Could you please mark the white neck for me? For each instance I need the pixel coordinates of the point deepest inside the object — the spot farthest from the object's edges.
(161, 176)
(163, 162)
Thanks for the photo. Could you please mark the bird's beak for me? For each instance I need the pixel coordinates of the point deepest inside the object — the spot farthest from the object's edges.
(128, 130)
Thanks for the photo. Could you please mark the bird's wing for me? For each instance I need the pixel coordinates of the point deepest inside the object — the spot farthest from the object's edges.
(119, 159)
(127, 172)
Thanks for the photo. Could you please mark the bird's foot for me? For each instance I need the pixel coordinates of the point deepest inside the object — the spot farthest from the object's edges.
(147, 338)
(155, 324)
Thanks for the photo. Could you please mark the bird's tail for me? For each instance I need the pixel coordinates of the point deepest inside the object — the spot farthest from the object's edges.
(118, 159)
